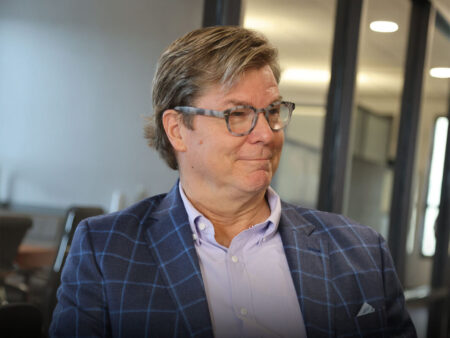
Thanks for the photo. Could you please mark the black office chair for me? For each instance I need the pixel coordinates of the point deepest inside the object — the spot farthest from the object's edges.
(12, 231)
(73, 217)
(19, 320)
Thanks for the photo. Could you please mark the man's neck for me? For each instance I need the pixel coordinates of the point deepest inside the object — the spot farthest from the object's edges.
(230, 214)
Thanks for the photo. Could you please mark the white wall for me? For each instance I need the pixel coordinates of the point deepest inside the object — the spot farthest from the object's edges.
(75, 84)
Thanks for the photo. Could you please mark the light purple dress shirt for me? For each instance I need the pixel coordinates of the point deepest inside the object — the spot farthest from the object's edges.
(248, 285)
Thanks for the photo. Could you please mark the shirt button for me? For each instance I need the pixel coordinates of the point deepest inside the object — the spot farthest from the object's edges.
(244, 311)
(234, 259)
(195, 237)
(202, 226)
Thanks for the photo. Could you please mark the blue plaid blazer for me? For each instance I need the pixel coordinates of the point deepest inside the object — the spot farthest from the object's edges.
(135, 273)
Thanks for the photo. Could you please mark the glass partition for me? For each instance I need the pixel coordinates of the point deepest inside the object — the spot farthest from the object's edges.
(382, 52)
(430, 152)
(303, 33)
(433, 196)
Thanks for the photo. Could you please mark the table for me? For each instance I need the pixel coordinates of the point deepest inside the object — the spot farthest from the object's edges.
(32, 256)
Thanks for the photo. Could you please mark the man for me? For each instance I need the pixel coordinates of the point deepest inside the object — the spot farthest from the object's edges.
(220, 254)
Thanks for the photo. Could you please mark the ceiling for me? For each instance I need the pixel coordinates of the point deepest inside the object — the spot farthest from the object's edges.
(302, 30)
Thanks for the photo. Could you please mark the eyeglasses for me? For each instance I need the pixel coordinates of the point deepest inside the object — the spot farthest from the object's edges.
(241, 120)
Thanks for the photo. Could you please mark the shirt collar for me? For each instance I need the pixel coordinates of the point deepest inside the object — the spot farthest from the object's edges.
(271, 222)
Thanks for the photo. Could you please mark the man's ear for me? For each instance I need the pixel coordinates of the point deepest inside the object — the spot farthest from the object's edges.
(172, 122)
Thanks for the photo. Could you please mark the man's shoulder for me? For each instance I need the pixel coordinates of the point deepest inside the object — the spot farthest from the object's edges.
(336, 226)
(134, 214)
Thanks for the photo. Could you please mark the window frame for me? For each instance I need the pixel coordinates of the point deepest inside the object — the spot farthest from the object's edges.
(425, 204)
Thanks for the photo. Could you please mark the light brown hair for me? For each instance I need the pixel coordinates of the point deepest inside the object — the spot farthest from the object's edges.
(203, 57)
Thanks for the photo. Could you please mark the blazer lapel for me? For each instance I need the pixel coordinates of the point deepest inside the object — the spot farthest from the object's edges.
(307, 255)
(171, 242)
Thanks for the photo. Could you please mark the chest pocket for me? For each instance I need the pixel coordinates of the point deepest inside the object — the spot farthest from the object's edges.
(369, 325)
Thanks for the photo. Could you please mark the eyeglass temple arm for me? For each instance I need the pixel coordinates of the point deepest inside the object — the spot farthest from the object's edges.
(200, 111)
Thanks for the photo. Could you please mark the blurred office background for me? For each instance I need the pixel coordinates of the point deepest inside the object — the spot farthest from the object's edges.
(368, 137)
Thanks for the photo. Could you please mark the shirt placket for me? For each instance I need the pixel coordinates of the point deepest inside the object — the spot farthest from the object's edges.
(241, 293)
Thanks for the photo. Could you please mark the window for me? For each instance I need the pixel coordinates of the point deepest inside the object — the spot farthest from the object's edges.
(303, 33)
(434, 186)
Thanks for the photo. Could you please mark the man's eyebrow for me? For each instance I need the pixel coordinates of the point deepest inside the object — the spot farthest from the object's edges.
(233, 102)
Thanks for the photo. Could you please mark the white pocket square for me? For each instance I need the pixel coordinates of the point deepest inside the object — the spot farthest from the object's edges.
(366, 308)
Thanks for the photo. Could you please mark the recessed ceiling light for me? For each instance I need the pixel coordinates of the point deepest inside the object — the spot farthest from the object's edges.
(440, 72)
(383, 26)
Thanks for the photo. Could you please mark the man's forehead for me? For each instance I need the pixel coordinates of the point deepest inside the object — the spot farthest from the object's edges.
(246, 102)
(255, 87)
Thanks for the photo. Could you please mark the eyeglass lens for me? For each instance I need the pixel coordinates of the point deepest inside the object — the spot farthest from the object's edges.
(240, 121)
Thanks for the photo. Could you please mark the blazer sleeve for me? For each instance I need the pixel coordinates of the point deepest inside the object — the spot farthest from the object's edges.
(397, 317)
(82, 307)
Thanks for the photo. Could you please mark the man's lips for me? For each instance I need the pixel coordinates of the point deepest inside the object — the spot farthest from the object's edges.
(256, 157)
(255, 160)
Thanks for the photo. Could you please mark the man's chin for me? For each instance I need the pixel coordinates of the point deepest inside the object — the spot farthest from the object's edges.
(258, 181)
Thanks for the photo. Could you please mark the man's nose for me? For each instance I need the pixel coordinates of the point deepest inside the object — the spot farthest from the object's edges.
(262, 131)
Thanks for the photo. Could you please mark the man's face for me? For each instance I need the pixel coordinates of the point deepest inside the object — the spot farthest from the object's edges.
(215, 159)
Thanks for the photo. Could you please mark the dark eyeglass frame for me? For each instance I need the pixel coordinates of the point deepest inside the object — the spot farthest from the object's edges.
(225, 114)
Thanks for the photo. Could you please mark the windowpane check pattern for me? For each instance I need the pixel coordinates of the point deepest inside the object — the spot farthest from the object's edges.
(241, 120)
(136, 273)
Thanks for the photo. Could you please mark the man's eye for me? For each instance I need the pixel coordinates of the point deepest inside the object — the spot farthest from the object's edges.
(242, 114)
(238, 113)
(274, 111)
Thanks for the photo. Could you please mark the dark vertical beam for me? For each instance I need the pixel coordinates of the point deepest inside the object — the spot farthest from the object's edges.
(339, 106)
(406, 146)
(439, 309)
(221, 12)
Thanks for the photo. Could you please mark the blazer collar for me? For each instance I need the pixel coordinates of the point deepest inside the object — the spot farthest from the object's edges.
(171, 242)
(307, 256)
